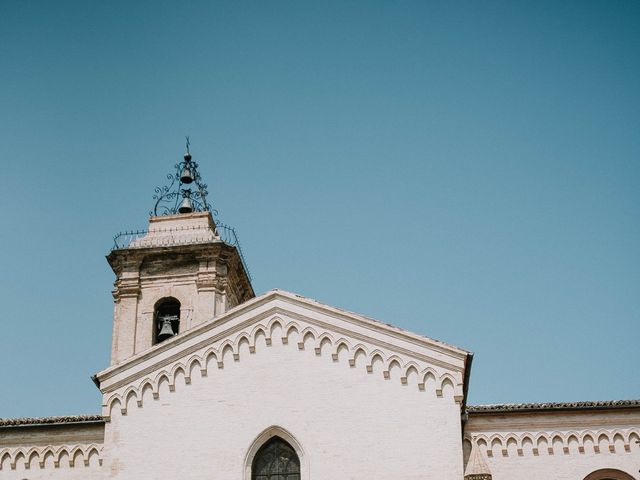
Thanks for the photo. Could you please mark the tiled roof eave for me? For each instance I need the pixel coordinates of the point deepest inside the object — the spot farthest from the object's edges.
(557, 406)
(71, 419)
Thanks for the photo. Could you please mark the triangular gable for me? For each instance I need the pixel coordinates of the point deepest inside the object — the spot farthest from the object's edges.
(284, 317)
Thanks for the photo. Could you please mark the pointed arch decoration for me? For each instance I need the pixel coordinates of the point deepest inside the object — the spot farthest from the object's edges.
(276, 455)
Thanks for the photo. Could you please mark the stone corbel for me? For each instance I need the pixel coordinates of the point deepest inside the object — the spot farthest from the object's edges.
(208, 283)
(128, 288)
(128, 281)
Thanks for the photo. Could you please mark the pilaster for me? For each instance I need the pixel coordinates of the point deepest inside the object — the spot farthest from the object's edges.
(212, 287)
(125, 294)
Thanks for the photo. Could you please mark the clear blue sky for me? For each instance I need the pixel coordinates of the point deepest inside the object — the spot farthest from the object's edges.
(466, 170)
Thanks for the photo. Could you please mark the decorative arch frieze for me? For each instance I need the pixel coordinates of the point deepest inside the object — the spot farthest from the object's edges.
(341, 350)
(36, 457)
(555, 442)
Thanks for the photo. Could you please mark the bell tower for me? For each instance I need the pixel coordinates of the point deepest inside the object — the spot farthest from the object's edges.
(185, 269)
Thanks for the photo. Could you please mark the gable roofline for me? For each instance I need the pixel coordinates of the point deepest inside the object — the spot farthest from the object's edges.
(291, 298)
(371, 322)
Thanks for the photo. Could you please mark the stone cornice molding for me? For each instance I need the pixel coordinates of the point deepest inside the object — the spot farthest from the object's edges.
(552, 421)
(163, 277)
(123, 261)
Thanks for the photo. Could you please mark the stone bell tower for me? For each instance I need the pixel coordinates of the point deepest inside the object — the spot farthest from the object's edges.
(185, 269)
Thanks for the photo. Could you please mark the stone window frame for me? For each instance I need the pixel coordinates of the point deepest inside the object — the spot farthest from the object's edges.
(263, 438)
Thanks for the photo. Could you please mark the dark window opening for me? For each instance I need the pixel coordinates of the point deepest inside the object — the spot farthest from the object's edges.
(276, 460)
(166, 319)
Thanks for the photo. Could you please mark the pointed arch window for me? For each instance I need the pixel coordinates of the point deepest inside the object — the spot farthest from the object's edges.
(276, 460)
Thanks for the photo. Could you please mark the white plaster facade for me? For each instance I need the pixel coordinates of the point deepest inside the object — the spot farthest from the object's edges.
(337, 383)
(355, 398)
(561, 443)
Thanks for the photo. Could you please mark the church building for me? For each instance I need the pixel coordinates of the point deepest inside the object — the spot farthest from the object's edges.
(208, 381)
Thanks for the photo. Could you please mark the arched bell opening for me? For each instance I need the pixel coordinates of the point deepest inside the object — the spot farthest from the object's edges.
(166, 319)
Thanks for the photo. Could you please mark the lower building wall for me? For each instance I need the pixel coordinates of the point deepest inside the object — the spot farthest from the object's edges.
(557, 446)
(347, 423)
(571, 467)
(52, 451)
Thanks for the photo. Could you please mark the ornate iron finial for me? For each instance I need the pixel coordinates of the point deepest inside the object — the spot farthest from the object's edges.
(179, 196)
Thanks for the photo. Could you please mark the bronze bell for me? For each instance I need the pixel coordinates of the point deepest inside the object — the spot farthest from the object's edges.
(186, 206)
(186, 176)
(166, 331)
